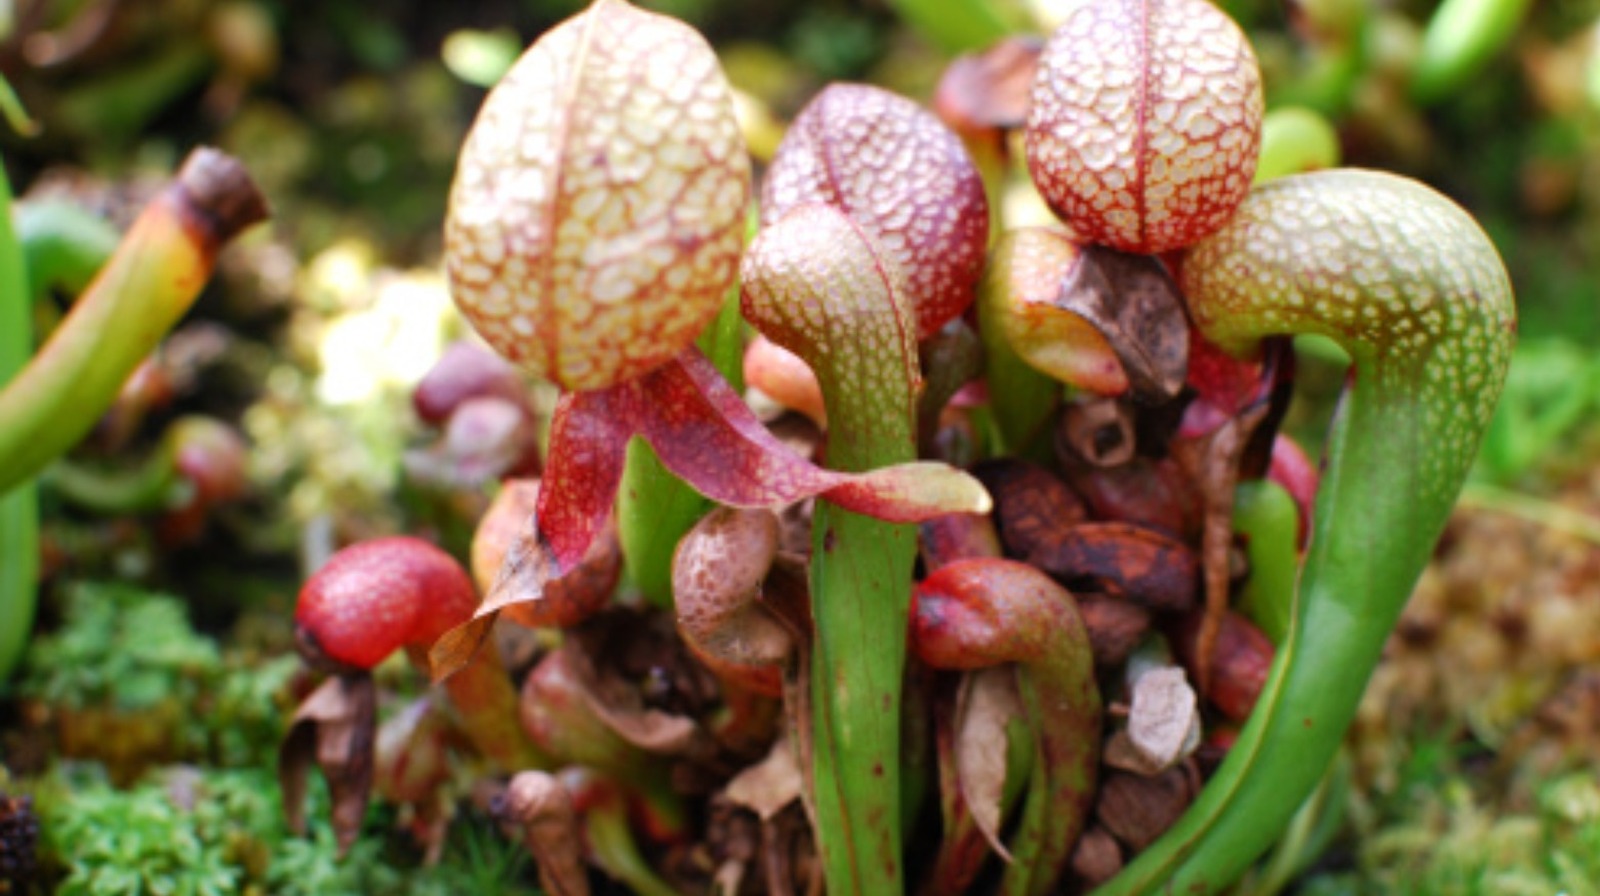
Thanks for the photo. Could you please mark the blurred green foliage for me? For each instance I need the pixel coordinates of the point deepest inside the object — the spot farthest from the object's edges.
(132, 657)
(216, 828)
(1447, 839)
(353, 127)
(1552, 392)
(123, 647)
(198, 833)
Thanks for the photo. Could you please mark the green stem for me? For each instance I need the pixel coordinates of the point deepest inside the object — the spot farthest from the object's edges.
(486, 703)
(1266, 514)
(1347, 606)
(1022, 399)
(861, 582)
(149, 283)
(11, 105)
(861, 597)
(1416, 294)
(612, 843)
(1461, 38)
(818, 285)
(154, 485)
(655, 508)
(65, 245)
(19, 509)
(1313, 827)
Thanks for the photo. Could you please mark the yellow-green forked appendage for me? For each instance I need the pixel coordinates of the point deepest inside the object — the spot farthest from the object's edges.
(1412, 288)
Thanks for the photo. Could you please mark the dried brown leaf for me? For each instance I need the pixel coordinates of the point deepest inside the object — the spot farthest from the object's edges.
(412, 753)
(1099, 430)
(1157, 494)
(986, 706)
(334, 728)
(1136, 306)
(1212, 461)
(1032, 507)
(1097, 857)
(1138, 809)
(539, 802)
(1163, 724)
(1115, 626)
(770, 785)
(1151, 569)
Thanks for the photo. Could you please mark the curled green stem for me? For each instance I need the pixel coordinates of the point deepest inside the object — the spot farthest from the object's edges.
(817, 284)
(150, 281)
(19, 509)
(1411, 287)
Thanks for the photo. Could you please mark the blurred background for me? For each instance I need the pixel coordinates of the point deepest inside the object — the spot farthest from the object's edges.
(1475, 767)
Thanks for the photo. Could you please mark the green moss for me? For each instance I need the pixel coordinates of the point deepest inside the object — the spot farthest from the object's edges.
(1448, 841)
(131, 657)
(123, 647)
(191, 832)
(186, 831)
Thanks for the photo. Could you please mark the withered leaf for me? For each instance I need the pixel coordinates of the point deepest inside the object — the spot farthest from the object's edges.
(334, 728)
(1137, 810)
(1115, 626)
(1163, 724)
(770, 785)
(1097, 857)
(963, 847)
(538, 801)
(1033, 508)
(1099, 430)
(506, 532)
(1157, 494)
(411, 754)
(1213, 463)
(1151, 569)
(1135, 304)
(1018, 308)
(986, 706)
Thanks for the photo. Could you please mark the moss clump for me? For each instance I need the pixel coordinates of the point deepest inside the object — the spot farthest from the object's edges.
(1448, 841)
(187, 832)
(127, 680)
